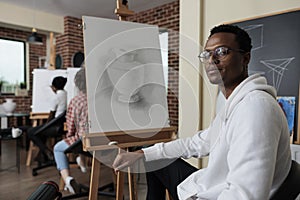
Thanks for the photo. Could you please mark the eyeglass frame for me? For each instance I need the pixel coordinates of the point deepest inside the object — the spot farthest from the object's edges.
(214, 53)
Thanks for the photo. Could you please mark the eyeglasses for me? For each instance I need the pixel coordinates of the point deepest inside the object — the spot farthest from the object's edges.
(218, 53)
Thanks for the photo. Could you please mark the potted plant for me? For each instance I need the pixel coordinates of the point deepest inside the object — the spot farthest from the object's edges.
(2, 81)
(22, 85)
(21, 90)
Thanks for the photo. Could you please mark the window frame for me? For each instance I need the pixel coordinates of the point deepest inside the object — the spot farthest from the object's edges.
(25, 64)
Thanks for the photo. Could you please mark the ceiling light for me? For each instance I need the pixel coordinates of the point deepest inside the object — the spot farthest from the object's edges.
(34, 38)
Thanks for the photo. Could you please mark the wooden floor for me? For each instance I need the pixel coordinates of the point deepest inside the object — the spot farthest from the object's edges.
(14, 186)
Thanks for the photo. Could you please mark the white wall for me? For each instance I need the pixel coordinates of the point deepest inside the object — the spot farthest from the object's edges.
(189, 73)
(197, 17)
(14, 16)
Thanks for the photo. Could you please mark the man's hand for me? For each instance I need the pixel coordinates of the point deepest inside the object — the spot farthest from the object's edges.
(124, 160)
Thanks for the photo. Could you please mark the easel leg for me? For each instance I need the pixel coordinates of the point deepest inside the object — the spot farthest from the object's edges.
(120, 185)
(31, 145)
(132, 185)
(94, 180)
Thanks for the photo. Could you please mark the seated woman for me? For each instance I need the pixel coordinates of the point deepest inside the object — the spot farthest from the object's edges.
(76, 124)
(58, 106)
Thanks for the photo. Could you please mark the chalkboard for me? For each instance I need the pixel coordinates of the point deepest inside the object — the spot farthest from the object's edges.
(276, 51)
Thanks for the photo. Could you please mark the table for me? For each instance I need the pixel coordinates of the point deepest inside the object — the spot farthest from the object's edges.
(18, 116)
(8, 136)
(19, 119)
(18, 141)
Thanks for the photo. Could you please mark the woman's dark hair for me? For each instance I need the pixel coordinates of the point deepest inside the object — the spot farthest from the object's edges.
(79, 80)
(241, 35)
(59, 82)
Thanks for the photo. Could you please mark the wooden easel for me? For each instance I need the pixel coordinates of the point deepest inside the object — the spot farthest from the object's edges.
(37, 119)
(122, 10)
(124, 139)
(52, 52)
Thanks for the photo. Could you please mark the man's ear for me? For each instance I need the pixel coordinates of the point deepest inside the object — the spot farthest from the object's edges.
(246, 59)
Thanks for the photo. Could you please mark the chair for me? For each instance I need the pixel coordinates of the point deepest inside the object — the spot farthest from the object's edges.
(56, 126)
(290, 188)
(77, 148)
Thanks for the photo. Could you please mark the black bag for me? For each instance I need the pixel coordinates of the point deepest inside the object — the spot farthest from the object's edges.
(47, 191)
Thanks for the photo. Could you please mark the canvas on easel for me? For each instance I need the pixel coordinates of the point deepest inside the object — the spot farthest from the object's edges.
(41, 91)
(125, 82)
(127, 99)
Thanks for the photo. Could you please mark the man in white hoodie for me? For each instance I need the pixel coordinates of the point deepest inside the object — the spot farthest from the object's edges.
(247, 142)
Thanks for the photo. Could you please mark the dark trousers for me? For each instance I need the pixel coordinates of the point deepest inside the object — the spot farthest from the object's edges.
(172, 173)
(41, 138)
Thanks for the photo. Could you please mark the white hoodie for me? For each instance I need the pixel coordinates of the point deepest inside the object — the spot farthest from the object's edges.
(247, 143)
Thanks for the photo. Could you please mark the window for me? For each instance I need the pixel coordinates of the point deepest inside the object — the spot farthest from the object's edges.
(12, 64)
(163, 39)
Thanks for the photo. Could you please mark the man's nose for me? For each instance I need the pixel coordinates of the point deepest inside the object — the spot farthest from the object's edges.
(213, 60)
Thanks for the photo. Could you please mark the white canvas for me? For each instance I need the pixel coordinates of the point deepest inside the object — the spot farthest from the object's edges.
(125, 82)
(41, 91)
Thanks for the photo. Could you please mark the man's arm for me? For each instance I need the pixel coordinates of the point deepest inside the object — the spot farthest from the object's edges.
(51, 116)
(253, 139)
(124, 160)
(196, 146)
(188, 147)
(70, 119)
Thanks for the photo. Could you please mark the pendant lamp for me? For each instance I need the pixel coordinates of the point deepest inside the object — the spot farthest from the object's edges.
(34, 38)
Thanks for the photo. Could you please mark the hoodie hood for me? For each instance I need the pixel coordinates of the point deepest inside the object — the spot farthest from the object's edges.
(252, 83)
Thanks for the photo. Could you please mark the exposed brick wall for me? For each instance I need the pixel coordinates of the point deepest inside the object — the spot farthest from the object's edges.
(167, 16)
(71, 41)
(66, 44)
(35, 51)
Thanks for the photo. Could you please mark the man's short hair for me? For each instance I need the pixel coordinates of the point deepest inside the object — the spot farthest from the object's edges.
(79, 80)
(241, 36)
(59, 82)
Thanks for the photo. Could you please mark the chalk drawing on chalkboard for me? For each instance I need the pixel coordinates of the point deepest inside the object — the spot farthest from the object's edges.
(277, 68)
(256, 32)
(251, 72)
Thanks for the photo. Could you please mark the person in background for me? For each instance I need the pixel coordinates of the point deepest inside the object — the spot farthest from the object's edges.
(77, 116)
(58, 105)
(247, 142)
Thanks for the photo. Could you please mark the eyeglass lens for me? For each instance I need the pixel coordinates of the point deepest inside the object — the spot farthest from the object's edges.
(218, 53)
